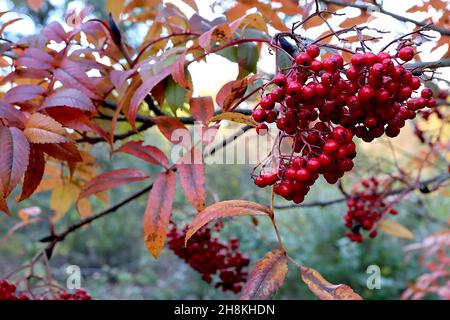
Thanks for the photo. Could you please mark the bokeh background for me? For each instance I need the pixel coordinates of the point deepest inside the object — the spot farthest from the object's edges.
(111, 253)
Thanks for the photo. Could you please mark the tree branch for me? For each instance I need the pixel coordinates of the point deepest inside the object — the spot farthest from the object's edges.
(56, 238)
(378, 8)
(146, 123)
(421, 185)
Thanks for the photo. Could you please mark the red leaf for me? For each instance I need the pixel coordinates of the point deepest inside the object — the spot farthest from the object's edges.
(35, 58)
(202, 109)
(71, 98)
(167, 125)
(143, 90)
(23, 93)
(230, 92)
(324, 289)
(62, 151)
(192, 178)
(111, 179)
(34, 173)
(14, 154)
(72, 75)
(150, 154)
(12, 115)
(158, 212)
(267, 276)
(54, 31)
(226, 209)
(3, 205)
(178, 72)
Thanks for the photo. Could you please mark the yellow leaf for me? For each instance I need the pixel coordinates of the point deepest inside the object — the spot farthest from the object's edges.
(235, 117)
(115, 7)
(324, 289)
(395, 229)
(62, 198)
(84, 208)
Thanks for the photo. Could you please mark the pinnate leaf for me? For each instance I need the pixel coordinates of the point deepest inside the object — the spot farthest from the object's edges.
(150, 154)
(324, 289)
(395, 229)
(267, 276)
(23, 93)
(191, 172)
(235, 117)
(202, 109)
(34, 173)
(14, 154)
(231, 92)
(111, 179)
(226, 209)
(158, 212)
(40, 128)
(68, 97)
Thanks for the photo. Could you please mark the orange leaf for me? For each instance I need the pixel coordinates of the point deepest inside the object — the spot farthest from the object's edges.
(202, 109)
(36, 5)
(226, 209)
(158, 212)
(230, 92)
(192, 178)
(220, 33)
(235, 117)
(40, 128)
(267, 276)
(253, 20)
(324, 289)
(115, 7)
(111, 179)
(34, 173)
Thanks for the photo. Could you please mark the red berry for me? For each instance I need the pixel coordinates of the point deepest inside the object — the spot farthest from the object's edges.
(313, 51)
(406, 54)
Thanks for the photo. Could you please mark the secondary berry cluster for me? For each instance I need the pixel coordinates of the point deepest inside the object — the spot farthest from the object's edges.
(8, 292)
(320, 105)
(211, 257)
(366, 207)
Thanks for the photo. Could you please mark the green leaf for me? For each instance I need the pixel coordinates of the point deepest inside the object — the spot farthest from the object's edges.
(175, 95)
(248, 56)
(230, 53)
(283, 60)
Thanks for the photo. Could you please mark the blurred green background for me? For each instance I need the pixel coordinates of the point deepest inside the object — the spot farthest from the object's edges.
(116, 265)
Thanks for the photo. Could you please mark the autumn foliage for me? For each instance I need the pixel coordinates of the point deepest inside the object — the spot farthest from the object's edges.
(78, 84)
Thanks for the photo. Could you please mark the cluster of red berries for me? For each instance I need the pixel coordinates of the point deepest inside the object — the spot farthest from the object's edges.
(369, 96)
(8, 291)
(365, 208)
(78, 295)
(322, 150)
(210, 257)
